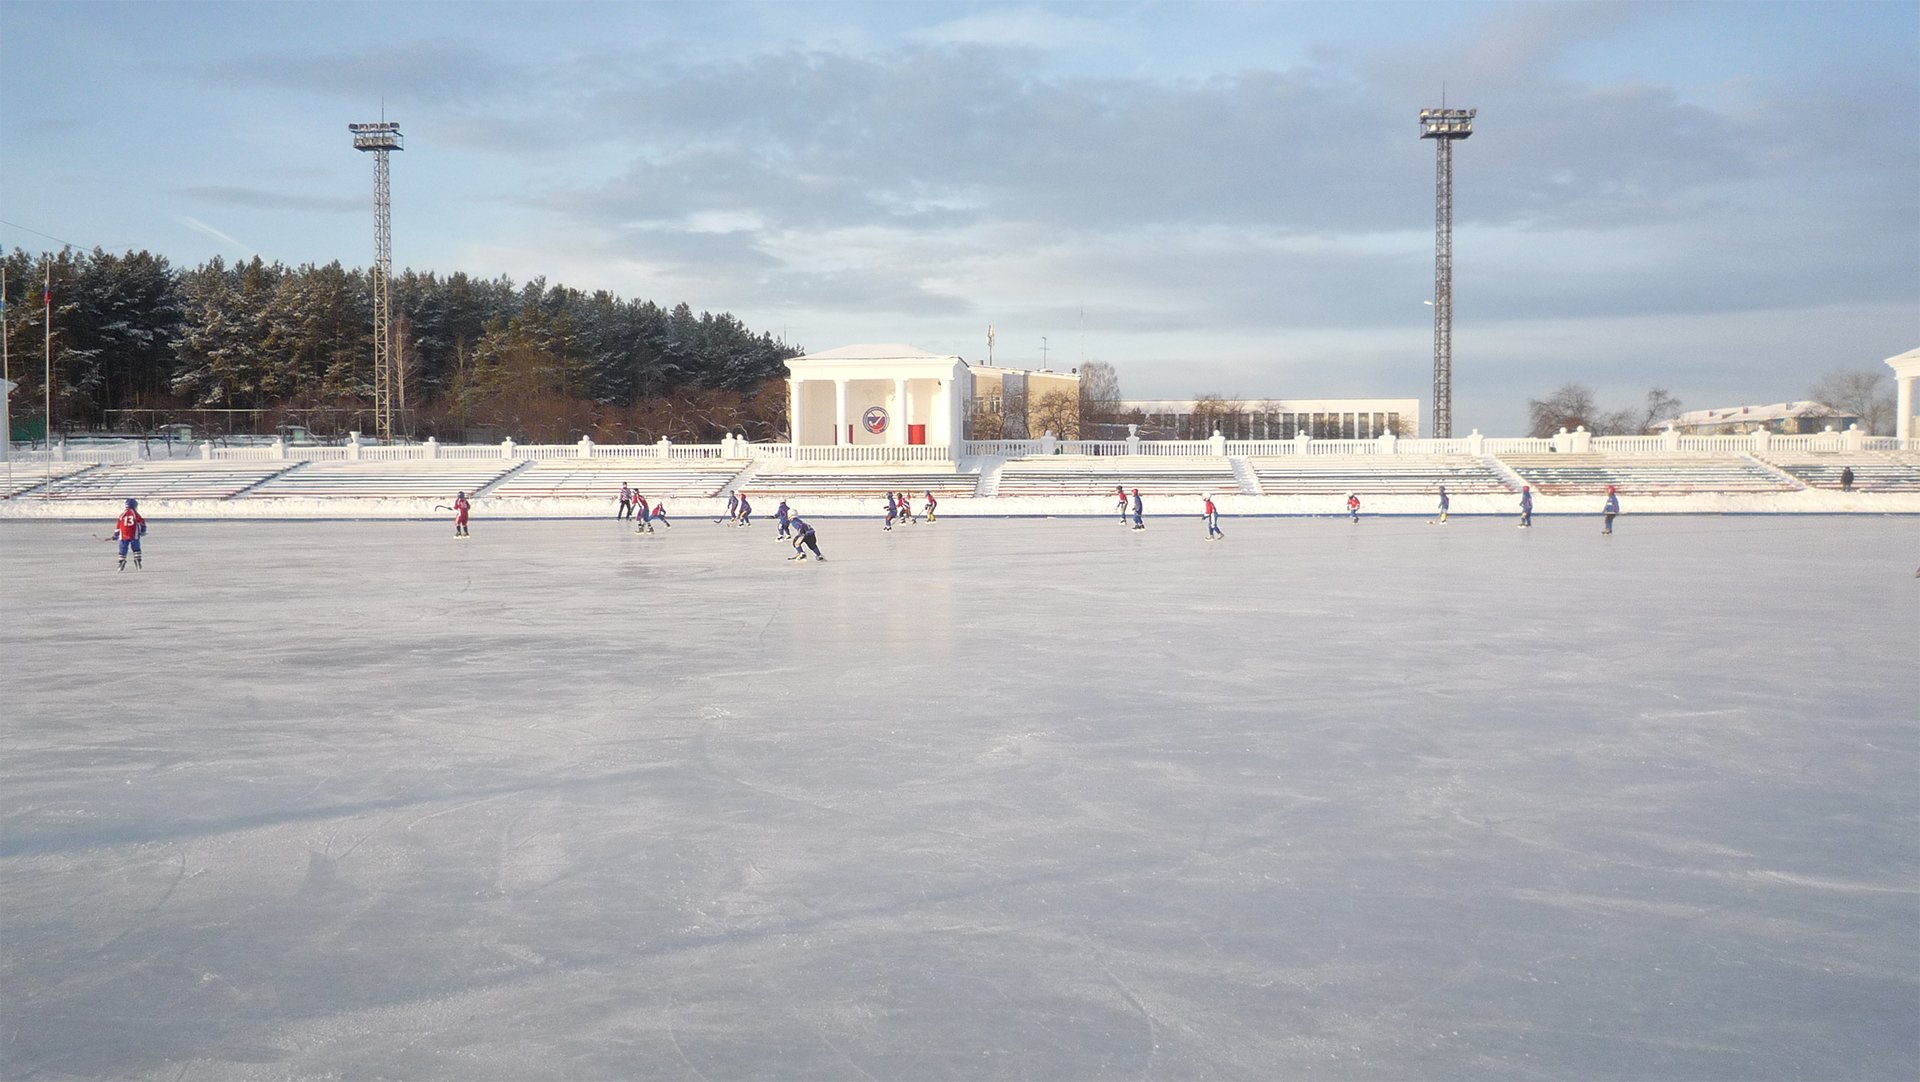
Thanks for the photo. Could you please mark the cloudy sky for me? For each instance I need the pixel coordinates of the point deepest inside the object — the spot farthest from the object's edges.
(1719, 198)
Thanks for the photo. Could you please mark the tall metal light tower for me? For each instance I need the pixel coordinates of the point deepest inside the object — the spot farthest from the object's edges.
(380, 138)
(1443, 126)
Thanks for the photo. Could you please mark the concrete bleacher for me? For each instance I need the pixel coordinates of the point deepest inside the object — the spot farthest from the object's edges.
(177, 480)
(1675, 474)
(601, 478)
(785, 481)
(409, 479)
(1076, 475)
(19, 477)
(1375, 474)
(1872, 472)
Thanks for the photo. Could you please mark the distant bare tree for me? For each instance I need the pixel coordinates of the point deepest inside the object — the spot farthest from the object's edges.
(1866, 393)
(1660, 407)
(1059, 413)
(1216, 411)
(1570, 407)
(1099, 394)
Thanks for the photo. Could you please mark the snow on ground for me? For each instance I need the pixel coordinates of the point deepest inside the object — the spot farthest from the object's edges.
(982, 799)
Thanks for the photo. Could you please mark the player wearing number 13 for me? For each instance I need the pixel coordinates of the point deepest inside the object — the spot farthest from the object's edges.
(128, 529)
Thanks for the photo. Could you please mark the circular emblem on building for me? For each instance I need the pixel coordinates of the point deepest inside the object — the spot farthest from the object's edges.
(875, 420)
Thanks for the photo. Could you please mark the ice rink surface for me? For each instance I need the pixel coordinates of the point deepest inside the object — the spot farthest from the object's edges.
(980, 799)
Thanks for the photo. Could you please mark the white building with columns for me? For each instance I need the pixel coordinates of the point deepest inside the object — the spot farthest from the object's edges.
(877, 395)
(1906, 370)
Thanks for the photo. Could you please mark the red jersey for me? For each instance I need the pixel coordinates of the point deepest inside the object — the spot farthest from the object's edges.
(129, 526)
(460, 506)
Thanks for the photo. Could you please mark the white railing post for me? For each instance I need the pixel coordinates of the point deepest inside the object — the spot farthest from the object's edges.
(1476, 443)
(1047, 442)
(1670, 440)
(506, 447)
(1302, 441)
(206, 450)
(586, 447)
(279, 447)
(432, 449)
(1580, 441)
(1218, 444)
(1389, 444)
(1762, 439)
(666, 448)
(353, 446)
(60, 450)
(1856, 440)
(1133, 439)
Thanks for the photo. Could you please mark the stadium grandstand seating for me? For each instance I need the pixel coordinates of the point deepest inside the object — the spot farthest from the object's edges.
(19, 477)
(1645, 473)
(408, 479)
(1375, 474)
(785, 481)
(1077, 475)
(180, 480)
(601, 478)
(1872, 472)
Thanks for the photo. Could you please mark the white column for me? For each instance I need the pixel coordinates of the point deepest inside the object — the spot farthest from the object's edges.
(1903, 396)
(897, 428)
(839, 411)
(794, 426)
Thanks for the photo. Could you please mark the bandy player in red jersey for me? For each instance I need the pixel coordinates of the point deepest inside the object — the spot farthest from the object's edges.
(128, 529)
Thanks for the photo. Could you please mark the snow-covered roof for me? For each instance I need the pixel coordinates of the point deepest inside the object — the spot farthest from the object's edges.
(885, 351)
(1775, 412)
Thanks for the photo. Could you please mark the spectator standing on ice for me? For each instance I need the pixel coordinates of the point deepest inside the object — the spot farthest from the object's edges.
(803, 536)
(1443, 505)
(889, 510)
(780, 515)
(1212, 515)
(931, 504)
(128, 529)
(626, 500)
(1139, 511)
(1611, 509)
(1353, 507)
(746, 511)
(1526, 506)
(1121, 492)
(643, 516)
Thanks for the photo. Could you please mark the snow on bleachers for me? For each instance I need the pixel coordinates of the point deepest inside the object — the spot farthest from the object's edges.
(183, 480)
(1375, 474)
(1076, 475)
(405, 479)
(786, 481)
(24, 476)
(1871, 472)
(1645, 473)
(601, 478)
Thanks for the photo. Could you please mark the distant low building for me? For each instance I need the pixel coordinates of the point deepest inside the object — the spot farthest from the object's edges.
(1275, 418)
(1784, 418)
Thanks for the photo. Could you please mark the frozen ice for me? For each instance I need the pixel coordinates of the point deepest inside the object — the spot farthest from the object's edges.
(977, 799)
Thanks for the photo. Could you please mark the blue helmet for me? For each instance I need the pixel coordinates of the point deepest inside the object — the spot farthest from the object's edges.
(131, 504)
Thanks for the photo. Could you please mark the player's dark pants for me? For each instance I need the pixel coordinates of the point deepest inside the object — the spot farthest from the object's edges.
(130, 542)
(1609, 527)
(808, 541)
(626, 508)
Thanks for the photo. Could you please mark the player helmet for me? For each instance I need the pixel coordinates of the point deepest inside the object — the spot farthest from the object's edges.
(131, 504)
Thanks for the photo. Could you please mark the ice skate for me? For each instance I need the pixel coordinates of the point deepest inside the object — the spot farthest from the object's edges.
(136, 561)
(123, 563)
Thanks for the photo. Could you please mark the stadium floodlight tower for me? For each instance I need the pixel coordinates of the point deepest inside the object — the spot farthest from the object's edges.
(1444, 126)
(380, 138)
